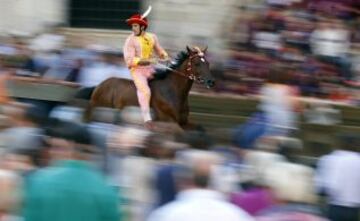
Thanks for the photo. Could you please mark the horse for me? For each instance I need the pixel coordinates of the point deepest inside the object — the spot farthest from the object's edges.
(169, 94)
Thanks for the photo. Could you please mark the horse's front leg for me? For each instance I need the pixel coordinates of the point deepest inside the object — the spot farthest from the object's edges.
(184, 119)
(184, 114)
(165, 111)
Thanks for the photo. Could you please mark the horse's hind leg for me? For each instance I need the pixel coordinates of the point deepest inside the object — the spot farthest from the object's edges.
(84, 104)
(166, 114)
(94, 102)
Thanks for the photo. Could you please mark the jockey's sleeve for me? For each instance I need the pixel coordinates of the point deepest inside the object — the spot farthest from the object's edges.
(129, 53)
(159, 50)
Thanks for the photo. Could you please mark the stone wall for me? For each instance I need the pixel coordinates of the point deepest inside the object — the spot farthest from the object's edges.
(111, 38)
(30, 16)
(177, 23)
(196, 22)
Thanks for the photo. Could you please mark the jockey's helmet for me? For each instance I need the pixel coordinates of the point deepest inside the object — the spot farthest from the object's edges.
(137, 19)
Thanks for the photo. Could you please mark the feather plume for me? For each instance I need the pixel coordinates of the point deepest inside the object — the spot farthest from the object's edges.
(147, 12)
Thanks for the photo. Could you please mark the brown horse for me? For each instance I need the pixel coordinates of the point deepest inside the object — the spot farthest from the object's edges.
(169, 95)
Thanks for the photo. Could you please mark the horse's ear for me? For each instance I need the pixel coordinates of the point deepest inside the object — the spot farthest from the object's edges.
(205, 49)
(188, 49)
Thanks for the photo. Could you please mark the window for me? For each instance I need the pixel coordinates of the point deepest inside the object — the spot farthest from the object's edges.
(106, 14)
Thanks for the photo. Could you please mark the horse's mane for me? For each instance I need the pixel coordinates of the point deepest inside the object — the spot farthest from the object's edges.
(180, 58)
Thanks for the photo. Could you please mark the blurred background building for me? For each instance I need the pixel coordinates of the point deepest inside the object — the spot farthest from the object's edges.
(31, 17)
(104, 21)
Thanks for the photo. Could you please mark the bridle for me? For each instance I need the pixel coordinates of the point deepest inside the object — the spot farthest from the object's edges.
(188, 71)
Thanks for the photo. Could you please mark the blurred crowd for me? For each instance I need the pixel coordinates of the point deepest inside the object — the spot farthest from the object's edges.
(57, 167)
(52, 58)
(314, 42)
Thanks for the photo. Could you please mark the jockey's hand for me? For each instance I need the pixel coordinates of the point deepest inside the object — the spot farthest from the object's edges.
(153, 60)
(164, 57)
(144, 62)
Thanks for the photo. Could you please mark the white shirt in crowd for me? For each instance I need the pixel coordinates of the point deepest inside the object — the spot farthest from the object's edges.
(267, 40)
(277, 106)
(330, 42)
(47, 42)
(99, 72)
(338, 174)
(7, 50)
(199, 204)
(282, 2)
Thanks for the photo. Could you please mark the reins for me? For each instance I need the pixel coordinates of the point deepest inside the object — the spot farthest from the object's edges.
(188, 74)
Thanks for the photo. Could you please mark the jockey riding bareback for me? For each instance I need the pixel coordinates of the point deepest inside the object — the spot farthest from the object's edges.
(139, 57)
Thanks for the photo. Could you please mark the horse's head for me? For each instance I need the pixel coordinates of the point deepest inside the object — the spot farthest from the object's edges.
(198, 68)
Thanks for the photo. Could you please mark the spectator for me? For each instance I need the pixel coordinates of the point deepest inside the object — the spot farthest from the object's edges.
(325, 114)
(4, 77)
(225, 177)
(294, 191)
(10, 190)
(278, 104)
(103, 125)
(165, 174)
(246, 135)
(268, 41)
(255, 195)
(338, 178)
(331, 43)
(195, 200)
(26, 132)
(106, 67)
(71, 190)
(26, 149)
(62, 68)
(75, 71)
(131, 169)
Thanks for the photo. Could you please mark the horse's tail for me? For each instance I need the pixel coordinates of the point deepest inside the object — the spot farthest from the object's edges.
(84, 93)
(81, 98)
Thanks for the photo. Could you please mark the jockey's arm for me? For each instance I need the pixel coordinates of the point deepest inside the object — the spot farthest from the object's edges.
(130, 56)
(160, 50)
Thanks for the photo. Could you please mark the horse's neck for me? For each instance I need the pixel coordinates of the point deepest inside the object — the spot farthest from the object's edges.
(174, 84)
(181, 83)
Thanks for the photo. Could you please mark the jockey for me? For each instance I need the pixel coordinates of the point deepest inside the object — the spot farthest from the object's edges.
(139, 57)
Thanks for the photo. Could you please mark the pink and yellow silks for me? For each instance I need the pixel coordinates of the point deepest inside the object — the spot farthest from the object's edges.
(135, 49)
